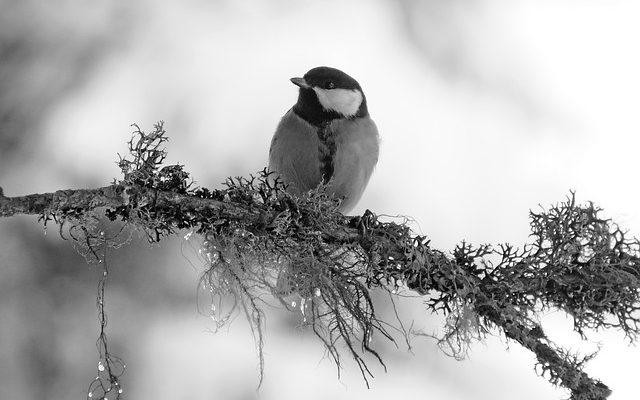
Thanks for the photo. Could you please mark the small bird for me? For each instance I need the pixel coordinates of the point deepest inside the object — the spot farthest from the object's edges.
(327, 137)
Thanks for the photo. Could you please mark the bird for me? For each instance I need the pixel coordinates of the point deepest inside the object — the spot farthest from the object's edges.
(327, 138)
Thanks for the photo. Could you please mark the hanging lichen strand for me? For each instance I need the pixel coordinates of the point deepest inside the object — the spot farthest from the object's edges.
(262, 245)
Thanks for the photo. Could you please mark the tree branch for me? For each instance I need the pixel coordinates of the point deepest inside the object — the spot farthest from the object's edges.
(118, 195)
(259, 239)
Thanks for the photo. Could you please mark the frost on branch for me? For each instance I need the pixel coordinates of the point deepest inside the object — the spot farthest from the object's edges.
(263, 246)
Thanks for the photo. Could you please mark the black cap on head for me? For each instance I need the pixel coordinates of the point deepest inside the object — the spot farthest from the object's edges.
(330, 78)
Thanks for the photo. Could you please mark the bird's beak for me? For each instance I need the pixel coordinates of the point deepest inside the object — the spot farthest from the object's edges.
(300, 82)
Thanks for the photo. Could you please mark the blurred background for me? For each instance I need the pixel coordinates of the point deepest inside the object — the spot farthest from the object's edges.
(486, 109)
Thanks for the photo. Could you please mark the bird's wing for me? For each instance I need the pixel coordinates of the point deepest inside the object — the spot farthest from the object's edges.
(294, 153)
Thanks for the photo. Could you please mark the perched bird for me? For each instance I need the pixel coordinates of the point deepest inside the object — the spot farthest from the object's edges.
(326, 138)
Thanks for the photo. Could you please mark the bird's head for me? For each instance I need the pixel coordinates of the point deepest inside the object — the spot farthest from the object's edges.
(328, 93)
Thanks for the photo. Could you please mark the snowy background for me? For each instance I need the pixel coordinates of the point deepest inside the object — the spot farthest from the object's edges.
(486, 109)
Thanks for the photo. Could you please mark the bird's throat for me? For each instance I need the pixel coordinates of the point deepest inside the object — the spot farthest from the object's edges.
(309, 108)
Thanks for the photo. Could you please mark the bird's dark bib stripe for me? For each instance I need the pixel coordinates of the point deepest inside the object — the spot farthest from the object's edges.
(326, 151)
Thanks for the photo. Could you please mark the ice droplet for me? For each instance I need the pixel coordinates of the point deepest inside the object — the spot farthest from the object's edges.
(293, 304)
(120, 390)
(90, 394)
(100, 365)
(317, 292)
(101, 233)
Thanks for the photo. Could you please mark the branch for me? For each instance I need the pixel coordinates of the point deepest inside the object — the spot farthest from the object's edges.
(63, 202)
(260, 240)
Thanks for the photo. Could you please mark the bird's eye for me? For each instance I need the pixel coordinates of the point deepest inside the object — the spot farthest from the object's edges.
(329, 85)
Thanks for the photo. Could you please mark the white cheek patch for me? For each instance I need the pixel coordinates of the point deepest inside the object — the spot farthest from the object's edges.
(344, 101)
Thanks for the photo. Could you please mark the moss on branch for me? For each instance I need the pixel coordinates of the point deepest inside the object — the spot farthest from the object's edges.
(260, 242)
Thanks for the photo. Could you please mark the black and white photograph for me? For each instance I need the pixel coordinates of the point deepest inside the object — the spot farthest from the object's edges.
(286, 200)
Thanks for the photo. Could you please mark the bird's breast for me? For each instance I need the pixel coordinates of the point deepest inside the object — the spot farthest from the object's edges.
(341, 153)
